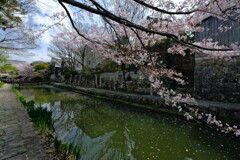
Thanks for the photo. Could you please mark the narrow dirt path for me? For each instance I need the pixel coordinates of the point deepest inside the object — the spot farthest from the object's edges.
(19, 138)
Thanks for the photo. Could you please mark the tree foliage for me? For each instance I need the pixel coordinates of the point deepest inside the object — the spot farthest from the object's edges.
(70, 49)
(3, 58)
(15, 35)
(9, 69)
(24, 70)
(41, 66)
(108, 66)
(9, 13)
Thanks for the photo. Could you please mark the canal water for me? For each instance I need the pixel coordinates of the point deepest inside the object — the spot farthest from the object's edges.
(103, 130)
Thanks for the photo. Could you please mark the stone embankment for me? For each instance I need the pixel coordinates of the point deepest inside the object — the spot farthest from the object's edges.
(138, 98)
(19, 138)
(220, 108)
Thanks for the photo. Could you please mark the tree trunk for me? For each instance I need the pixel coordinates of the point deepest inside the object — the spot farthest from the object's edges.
(124, 75)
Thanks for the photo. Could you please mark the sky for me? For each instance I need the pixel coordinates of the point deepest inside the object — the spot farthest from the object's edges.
(46, 7)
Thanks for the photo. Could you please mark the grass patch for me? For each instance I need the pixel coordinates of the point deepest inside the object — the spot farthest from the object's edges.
(66, 151)
(1, 84)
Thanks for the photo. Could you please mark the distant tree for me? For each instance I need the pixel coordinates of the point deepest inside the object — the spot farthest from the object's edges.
(10, 11)
(3, 58)
(107, 66)
(14, 34)
(41, 71)
(70, 49)
(8, 69)
(41, 66)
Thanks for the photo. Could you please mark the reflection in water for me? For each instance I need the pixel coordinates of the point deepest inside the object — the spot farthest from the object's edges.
(104, 130)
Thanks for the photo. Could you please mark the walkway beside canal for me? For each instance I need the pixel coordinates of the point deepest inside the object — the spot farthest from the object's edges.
(147, 99)
(19, 138)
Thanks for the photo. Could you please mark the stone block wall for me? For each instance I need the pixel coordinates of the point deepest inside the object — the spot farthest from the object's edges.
(216, 79)
(133, 86)
(111, 81)
(114, 81)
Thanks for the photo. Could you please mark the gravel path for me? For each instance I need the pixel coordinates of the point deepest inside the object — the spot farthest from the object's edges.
(19, 138)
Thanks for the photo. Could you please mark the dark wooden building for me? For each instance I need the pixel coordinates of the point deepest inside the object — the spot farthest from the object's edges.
(223, 31)
(218, 79)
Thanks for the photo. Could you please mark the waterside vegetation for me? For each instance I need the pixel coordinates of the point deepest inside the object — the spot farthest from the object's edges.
(42, 118)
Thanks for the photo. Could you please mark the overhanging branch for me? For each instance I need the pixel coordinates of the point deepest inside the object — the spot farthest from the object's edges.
(130, 24)
(72, 22)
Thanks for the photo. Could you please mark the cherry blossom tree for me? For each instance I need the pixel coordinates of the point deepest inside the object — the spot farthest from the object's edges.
(69, 48)
(162, 20)
(24, 70)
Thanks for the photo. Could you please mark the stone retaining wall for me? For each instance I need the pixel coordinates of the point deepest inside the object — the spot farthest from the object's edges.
(131, 97)
(217, 79)
(110, 81)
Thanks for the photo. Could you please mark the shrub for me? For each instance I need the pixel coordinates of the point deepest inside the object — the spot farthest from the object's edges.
(41, 66)
(70, 73)
(1, 84)
(8, 68)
